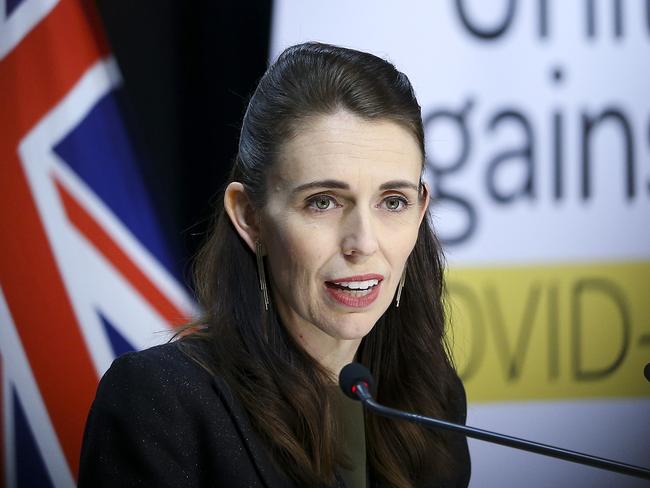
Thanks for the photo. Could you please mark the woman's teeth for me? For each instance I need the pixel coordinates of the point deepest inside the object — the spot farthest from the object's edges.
(357, 285)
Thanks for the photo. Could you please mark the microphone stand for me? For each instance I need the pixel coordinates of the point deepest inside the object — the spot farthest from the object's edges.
(362, 391)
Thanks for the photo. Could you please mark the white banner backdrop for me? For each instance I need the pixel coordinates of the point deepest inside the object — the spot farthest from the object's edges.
(537, 119)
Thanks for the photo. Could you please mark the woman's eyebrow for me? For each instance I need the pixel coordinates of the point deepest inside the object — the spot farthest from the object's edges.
(398, 184)
(339, 185)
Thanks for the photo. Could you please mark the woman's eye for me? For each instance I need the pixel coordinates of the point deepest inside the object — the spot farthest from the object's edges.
(322, 202)
(395, 204)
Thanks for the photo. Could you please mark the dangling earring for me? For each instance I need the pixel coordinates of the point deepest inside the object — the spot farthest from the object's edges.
(261, 274)
(400, 287)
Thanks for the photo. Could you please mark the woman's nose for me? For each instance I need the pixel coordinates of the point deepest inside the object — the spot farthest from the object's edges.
(360, 237)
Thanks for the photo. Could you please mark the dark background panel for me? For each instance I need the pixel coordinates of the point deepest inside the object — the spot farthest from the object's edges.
(188, 70)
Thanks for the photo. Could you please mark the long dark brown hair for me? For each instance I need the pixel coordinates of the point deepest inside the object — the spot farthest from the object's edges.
(286, 393)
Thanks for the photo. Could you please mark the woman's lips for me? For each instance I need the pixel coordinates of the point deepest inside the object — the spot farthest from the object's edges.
(357, 291)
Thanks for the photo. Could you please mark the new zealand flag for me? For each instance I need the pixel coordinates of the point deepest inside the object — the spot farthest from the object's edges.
(84, 272)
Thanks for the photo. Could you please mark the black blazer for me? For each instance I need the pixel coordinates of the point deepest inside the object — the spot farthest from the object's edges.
(161, 420)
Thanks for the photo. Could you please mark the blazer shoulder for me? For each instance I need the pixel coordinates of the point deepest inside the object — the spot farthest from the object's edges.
(158, 420)
(165, 360)
(165, 367)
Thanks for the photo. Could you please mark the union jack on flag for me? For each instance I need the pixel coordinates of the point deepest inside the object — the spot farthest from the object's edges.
(84, 272)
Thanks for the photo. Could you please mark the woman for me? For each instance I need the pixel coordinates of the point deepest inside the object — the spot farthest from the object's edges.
(321, 255)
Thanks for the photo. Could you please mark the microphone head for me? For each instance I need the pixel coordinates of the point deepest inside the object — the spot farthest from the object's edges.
(352, 374)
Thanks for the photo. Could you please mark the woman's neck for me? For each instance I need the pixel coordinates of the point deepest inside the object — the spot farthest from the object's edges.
(336, 356)
(331, 353)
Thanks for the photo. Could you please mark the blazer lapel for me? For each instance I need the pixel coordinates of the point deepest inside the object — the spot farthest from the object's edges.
(271, 477)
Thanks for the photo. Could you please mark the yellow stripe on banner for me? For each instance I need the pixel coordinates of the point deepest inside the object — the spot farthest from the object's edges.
(551, 332)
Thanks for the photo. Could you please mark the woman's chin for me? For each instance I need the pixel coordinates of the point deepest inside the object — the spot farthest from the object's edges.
(349, 330)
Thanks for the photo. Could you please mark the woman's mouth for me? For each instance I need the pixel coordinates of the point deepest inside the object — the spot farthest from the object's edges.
(355, 291)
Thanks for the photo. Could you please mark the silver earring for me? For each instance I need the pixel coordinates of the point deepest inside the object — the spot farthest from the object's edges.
(261, 274)
(400, 287)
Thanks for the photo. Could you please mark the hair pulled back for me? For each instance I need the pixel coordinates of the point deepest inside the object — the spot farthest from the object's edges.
(286, 393)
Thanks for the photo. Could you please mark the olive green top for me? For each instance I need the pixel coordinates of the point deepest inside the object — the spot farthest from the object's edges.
(354, 437)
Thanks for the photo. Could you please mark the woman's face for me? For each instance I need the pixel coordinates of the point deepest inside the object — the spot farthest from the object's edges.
(341, 218)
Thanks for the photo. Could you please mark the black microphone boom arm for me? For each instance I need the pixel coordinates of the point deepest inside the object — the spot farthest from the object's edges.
(363, 393)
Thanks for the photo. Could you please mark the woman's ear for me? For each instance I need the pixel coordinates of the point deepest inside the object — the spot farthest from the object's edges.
(425, 199)
(242, 213)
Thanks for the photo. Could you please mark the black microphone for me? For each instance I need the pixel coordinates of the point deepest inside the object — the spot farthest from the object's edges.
(356, 382)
